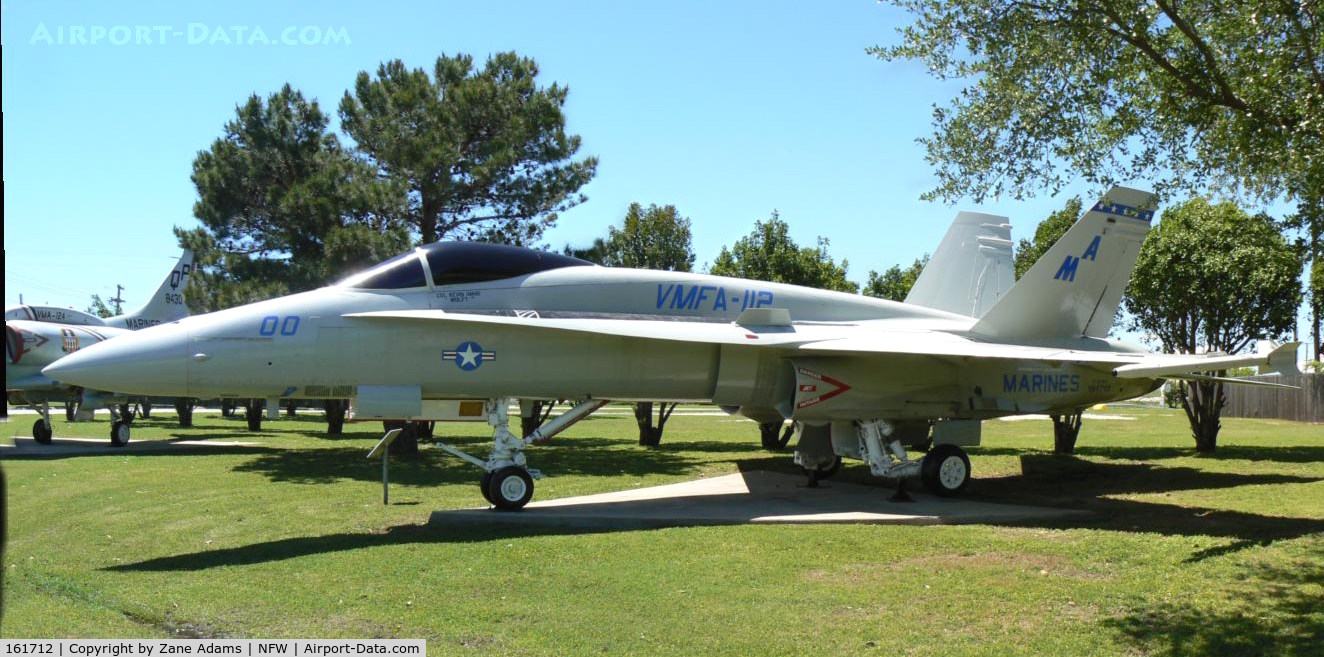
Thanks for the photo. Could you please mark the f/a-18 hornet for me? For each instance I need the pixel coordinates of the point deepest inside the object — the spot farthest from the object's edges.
(485, 324)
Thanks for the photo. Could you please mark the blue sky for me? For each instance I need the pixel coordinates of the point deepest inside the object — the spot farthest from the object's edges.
(725, 109)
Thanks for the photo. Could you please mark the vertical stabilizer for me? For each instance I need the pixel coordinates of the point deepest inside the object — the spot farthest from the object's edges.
(166, 305)
(971, 269)
(1075, 287)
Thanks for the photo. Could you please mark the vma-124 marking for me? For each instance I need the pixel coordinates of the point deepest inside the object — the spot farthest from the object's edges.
(466, 321)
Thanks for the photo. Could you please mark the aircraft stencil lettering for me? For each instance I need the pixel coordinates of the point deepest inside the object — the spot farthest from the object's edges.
(838, 387)
(1037, 383)
(178, 276)
(678, 296)
(775, 352)
(1067, 272)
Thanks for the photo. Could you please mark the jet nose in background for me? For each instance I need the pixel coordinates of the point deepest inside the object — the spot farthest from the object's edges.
(153, 361)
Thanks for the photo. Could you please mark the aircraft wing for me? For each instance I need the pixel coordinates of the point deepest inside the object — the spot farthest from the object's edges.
(857, 338)
(864, 339)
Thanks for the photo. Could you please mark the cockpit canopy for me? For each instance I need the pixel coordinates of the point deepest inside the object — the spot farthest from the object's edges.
(455, 263)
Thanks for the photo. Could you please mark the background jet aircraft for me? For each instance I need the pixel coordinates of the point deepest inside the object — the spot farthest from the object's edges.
(431, 325)
(36, 336)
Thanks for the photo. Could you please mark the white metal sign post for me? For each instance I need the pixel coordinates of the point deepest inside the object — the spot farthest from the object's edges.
(383, 448)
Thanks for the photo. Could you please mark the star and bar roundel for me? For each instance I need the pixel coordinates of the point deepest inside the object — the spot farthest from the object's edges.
(469, 356)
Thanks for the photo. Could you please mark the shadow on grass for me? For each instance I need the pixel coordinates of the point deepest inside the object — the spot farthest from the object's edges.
(1274, 610)
(1070, 482)
(291, 548)
(577, 456)
(1270, 453)
(1064, 482)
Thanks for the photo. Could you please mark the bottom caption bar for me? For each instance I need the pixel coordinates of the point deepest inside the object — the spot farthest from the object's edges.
(243, 647)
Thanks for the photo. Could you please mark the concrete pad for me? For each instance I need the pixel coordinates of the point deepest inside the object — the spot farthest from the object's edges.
(25, 446)
(752, 497)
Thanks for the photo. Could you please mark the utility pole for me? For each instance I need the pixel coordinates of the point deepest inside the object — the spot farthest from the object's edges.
(119, 292)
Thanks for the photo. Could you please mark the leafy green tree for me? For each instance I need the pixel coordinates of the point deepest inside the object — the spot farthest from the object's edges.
(483, 152)
(1047, 234)
(284, 207)
(595, 253)
(99, 308)
(1213, 278)
(1192, 95)
(895, 283)
(769, 254)
(652, 238)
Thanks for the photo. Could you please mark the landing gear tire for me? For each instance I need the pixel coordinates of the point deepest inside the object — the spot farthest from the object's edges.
(119, 433)
(41, 432)
(483, 485)
(945, 470)
(70, 410)
(510, 488)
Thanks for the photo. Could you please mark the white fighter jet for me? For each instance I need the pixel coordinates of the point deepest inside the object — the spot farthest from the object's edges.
(37, 335)
(458, 329)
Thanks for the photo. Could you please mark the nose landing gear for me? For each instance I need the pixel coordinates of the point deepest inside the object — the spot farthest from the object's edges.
(507, 481)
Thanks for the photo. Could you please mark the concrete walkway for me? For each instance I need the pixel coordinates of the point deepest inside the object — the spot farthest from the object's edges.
(752, 497)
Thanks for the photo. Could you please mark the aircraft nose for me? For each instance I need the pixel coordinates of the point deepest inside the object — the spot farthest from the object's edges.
(153, 361)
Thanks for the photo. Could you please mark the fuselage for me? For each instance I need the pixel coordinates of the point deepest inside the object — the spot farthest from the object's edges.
(305, 346)
(30, 346)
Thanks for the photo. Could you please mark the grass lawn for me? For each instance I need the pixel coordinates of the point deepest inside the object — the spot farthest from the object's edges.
(1183, 555)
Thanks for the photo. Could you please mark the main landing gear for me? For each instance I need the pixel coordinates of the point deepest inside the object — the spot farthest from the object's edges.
(944, 471)
(41, 429)
(119, 428)
(119, 425)
(507, 481)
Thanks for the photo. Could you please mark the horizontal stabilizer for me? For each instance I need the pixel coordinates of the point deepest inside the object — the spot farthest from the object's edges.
(1232, 381)
(1272, 357)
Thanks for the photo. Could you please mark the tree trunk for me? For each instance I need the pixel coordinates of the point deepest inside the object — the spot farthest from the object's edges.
(650, 435)
(405, 444)
(1065, 430)
(184, 409)
(253, 413)
(773, 437)
(425, 428)
(1315, 254)
(427, 220)
(643, 415)
(1203, 402)
(335, 416)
